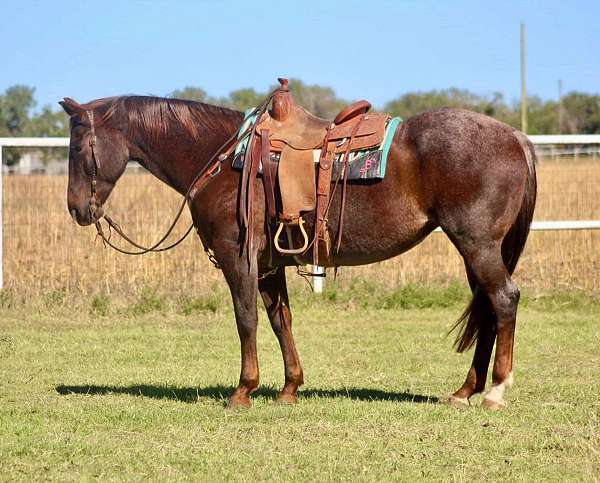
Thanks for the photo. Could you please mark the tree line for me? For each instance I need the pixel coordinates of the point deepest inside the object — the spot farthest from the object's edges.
(576, 113)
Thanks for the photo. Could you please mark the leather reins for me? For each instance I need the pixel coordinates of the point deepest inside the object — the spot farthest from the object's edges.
(205, 174)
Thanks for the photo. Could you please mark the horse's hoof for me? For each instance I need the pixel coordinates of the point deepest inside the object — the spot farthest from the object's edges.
(457, 402)
(491, 405)
(286, 399)
(238, 403)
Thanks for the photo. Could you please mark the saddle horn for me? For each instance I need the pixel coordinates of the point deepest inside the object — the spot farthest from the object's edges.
(282, 102)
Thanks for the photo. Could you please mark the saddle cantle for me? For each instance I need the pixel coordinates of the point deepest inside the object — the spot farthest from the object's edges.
(285, 143)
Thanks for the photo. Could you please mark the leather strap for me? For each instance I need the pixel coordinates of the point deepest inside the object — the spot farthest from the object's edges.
(345, 184)
(268, 174)
(323, 195)
(95, 206)
(249, 173)
(253, 172)
(243, 200)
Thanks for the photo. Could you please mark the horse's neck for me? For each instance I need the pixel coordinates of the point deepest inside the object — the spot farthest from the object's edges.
(175, 161)
(153, 162)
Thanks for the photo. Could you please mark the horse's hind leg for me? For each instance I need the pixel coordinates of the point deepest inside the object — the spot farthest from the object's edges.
(487, 266)
(477, 375)
(273, 290)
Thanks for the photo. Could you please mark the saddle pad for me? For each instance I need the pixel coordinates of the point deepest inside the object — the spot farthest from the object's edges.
(364, 164)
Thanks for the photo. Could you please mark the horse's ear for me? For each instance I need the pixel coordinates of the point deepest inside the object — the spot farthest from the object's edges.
(71, 106)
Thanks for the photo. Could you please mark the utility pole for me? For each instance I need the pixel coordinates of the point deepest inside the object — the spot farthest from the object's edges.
(560, 107)
(523, 86)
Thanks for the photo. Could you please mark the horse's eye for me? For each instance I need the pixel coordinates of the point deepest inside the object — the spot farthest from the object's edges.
(77, 147)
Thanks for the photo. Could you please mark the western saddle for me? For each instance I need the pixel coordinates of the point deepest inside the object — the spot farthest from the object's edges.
(287, 141)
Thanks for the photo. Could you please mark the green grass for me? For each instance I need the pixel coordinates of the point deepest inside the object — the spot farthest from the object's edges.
(108, 389)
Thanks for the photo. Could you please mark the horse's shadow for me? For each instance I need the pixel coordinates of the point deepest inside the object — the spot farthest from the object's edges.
(221, 392)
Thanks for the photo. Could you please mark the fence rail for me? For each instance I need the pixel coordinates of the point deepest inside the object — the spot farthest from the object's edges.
(34, 142)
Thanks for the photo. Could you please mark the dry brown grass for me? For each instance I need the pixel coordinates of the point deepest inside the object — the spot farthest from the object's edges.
(44, 250)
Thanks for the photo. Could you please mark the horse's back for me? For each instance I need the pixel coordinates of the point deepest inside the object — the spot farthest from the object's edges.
(460, 135)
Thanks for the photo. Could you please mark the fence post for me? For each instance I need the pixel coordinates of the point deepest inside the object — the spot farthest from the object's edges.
(318, 281)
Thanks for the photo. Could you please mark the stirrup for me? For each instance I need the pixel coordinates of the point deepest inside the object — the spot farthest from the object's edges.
(291, 250)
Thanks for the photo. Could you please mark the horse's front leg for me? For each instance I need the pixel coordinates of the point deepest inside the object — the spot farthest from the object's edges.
(243, 286)
(273, 291)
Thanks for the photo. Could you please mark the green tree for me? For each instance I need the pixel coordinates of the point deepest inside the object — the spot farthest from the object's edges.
(190, 93)
(48, 123)
(581, 113)
(52, 124)
(242, 99)
(15, 106)
(319, 100)
(414, 103)
(542, 116)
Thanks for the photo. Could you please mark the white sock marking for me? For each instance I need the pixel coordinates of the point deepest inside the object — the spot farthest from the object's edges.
(496, 393)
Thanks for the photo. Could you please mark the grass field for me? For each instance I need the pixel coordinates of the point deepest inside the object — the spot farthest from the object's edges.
(100, 389)
(44, 250)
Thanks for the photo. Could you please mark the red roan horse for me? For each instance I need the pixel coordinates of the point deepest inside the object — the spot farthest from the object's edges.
(465, 172)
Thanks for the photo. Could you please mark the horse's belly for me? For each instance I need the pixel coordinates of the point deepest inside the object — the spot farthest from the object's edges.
(369, 239)
(381, 240)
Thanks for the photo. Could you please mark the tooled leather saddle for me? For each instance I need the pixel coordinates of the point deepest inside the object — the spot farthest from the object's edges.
(286, 142)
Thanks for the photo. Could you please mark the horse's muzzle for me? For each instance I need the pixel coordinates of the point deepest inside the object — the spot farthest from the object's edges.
(86, 216)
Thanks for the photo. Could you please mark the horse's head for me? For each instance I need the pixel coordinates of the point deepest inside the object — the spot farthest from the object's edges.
(98, 155)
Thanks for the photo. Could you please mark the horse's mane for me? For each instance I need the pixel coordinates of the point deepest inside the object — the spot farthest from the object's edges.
(157, 117)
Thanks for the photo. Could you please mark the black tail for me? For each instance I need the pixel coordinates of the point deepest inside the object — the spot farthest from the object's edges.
(512, 247)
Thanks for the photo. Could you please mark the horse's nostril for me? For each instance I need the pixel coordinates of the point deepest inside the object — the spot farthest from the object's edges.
(74, 215)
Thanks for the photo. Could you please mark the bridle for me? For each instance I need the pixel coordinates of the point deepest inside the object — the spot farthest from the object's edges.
(208, 171)
(95, 206)
(97, 211)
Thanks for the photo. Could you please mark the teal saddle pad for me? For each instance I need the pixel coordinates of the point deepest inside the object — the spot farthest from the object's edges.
(365, 164)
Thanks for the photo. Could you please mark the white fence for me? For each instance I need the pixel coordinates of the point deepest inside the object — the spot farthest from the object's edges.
(554, 145)
(548, 144)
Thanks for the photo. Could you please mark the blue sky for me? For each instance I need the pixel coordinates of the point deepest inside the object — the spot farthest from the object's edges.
(373, 49)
